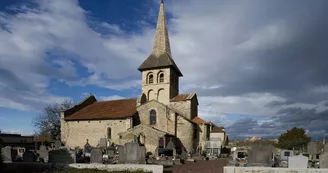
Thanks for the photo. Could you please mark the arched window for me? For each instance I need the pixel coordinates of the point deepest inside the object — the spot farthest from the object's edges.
(152, 117)
(109, 133)
(161, 78)
(150, 78)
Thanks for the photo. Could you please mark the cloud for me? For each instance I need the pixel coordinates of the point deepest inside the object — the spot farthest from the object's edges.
(260, 58)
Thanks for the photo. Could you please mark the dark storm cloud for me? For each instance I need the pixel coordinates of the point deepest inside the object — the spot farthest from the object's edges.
(309, 119)
(289, 67)
(275, 103)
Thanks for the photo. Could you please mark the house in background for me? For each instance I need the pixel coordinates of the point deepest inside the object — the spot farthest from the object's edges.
(17, 140)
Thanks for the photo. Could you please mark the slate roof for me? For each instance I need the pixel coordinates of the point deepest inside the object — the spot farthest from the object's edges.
(161, 56)
(113, 109)
(161, 61)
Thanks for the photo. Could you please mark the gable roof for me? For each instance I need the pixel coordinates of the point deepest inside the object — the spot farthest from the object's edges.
(113, 109)
(159, 61)
(217, 129)
(183, 97)
(198, 120)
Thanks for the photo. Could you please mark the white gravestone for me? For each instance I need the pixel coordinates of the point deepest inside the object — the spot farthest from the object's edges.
(298, 162)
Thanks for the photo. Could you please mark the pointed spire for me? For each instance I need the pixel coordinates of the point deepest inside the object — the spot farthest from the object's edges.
(161, 41)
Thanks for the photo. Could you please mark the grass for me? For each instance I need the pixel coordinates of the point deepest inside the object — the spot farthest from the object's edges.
(92, 171)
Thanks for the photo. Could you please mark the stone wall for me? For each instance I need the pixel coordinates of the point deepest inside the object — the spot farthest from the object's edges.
(165, 119)
(162, 92)
(215, 136)
(231, 169)
(183, 107)
(151, 136)
(75, 133)
(185, 132)
(202, 135)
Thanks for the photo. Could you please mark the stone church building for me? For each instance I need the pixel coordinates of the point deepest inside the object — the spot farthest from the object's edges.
(159, 114)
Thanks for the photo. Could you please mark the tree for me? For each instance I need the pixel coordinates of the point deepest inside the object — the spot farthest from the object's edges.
(294, 138)
(48, 122)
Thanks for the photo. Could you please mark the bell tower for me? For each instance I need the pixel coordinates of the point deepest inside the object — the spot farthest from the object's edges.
(160, 74)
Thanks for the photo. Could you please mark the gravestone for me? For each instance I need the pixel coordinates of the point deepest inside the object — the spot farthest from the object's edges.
(110, 151)
(142, 155)
(260, 155)
(6, 153)
(96, 155)
(58, 144)
(156, 152)
(131, 150)
(284, 154)
(121, 153)
(298, 162)
(43, 153)
(29, 156)
(62, 156)
(170, 145)
(184, 155)
(43, 148)
(103, 143)
(312, 148)
(323, 160)
(325, 149)
(87, 149)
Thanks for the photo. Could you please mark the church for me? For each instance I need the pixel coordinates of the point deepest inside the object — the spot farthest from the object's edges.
(160, 114)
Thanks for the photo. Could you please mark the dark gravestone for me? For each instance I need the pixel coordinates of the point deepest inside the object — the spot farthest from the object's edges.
(260, 155)
(324, 160)
(29, 156)
(170, 145)
(62, 156)
(87, 147)
(110, 151)
(121, 153)
(6, 154)
(96, 155)
(57, 144)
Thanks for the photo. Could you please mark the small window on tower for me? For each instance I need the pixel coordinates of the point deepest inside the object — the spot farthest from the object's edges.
(161, 78)
(150, 79)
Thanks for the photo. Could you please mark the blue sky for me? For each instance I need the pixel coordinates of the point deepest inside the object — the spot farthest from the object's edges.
(248, 62)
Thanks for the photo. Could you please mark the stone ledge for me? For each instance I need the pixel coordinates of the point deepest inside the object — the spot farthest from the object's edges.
(232, 169)
(17, 167)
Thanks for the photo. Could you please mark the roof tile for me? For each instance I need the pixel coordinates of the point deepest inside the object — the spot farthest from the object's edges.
(180, 97)
(198, 120)
(106, 110)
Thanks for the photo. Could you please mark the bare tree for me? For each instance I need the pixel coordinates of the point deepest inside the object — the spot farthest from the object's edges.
(48, 122)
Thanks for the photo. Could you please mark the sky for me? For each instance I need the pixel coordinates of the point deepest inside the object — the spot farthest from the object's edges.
(258, 67)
